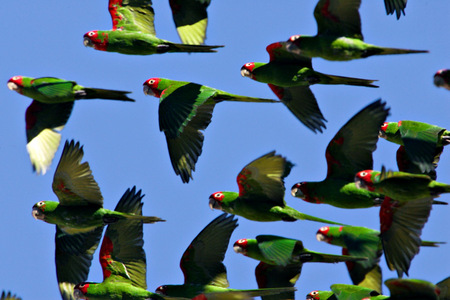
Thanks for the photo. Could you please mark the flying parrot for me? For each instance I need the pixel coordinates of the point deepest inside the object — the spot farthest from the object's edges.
(289, 77)
(122, 258)
(423, 142)
(339, 36)
(202, 264)
(348, 152)
(185, 109)
(261, 193)
(397, 6)
(191, 19)
(321, 295)
(8, 296)
(79, 217)
(360, 241)
(273, 276)
(134, 33)
(53, 100)
(442, 78)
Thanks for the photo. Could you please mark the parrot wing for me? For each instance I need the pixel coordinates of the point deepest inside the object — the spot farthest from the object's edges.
(53, 87)
(122, 255)
(444, 287)
(73, 182)
(352, 292)
(338, 18)
(277, 249)
(132, 15)
(202, 262)
(278, 52)
(271, 276)
(401, 228)
(421, 143)
(395, 5)
(350, 150)
(73, 257)
(405, 164)
(364, 244)
(9, 296)
(301, 101)
(183, 113)
(412, 289)
(191, 19)
(43, 124)
(265, 176)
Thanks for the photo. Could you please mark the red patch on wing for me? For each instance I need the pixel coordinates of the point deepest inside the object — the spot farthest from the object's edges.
(399, 123)
(271, 50)
(279, 91)
(31, 114)
(387, 210)
(326, 13)
(260, 274)
(112, 7)
(242, 181)
(105, 256)
(402, 159)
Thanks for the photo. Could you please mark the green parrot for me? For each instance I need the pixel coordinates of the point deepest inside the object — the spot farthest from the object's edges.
(321, 295)
(191, 19)
(423, 142)
(442, 79)
(273, 276)
(185, 109)
(122, 258)
(79, 217)
(9, 296)
(134, 33)
(348, 152)
(289, 77)
(202, 264)
(261, 193)
(360, 241)
(397, 6)
(53, 100)
(339, 36)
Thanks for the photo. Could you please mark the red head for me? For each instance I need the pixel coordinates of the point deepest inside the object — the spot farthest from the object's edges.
(240, 246)
(80, 290)
(322, 234)
(215, 200)
(161, 290)
(314, 295)
(247, 69)
(15, 84)
(96, 40)
(151, 87)
(300, 190)
(363, 180)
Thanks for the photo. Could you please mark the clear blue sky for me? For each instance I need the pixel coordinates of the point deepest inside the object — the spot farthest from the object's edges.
(124, 147)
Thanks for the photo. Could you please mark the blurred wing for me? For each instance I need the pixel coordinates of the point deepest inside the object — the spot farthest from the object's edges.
(277, 249)
(183, 113)
(191, 19)
(122, 253)
(352, 292)
(201, 263)
(338, 18)
(132, 15)
(395, 5)
(73, 256)
(265, 176)
(301, 101)
(412, 289)
(9, 296)
(73, 182)
(43, 124)
(444, 287)
(363, 244)
(364, 277)
(54, 87)
(405, 164)
(401, 228)
(278, 52)
(271, 276)
(350, 150)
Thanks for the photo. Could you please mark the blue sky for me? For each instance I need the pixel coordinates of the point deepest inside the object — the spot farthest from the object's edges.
(124, 147)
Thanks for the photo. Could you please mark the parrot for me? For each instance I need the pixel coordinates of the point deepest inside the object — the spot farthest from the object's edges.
(281, 251)
(360, 241)
(185, 109)
(134, 33)
(422, 142)
(261, 193)
(395, 5)
(339, 36)
(191, 19)
(348, 152)
(442, 78)
(321, 295)
(53, 100)
(122, 258)
(273, 276)
(79, 217)
(202, 264)
(289, 77)
(9, 296)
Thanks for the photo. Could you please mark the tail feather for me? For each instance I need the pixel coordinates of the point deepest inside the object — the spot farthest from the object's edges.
(296, 215)
(172, 47)
(232, 97)
(350, 81)
(387, 51)
(431, 244)
(93, 93)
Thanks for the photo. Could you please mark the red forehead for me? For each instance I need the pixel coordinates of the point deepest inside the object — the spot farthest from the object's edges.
(152, 82)
(16, 79)
(324, 230)
(384, 126)
(365, 175)
(249, 66)
(91, 34)
(218, 196)
(241, 242)
(82, 287)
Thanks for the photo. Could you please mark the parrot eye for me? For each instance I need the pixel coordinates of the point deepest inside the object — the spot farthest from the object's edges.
(294, 37)
(248, 64)
(363, 174)
(15, 78)
(151, 81)
(41, 203)
(217, 195)
(324, 228)
(91, 33)
(162, 290)
(313, 293)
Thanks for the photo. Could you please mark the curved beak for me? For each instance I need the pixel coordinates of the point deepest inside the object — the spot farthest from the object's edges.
(238, 249)
(360, 184)
(245, 72)
(37, 214)
(296, 192)
(321, 237)
(213, 204)
(12, 86)
(87, 42)
(77, 294)
(148, 91)
(381, 134)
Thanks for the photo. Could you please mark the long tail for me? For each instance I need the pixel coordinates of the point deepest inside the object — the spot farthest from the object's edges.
(431, 244)
(92, 93)
(232, 97)
(328, 258)
(387, 51)
(332, 79)
(172, 47)
(296, 215)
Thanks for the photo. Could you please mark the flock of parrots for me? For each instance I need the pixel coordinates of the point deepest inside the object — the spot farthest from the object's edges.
(405, 197)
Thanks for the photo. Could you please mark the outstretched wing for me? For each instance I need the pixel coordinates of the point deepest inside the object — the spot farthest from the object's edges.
(73, 257)
(43, 124)
(395, 5)
(412, 289)
(265, 177)
(202, 263)
(183, 113)
(338, 18)
(122, 255)
(73, 182)
(278, 52)
(277, 249)
(132, 15)
(52, 87)
(271, 276)
(350, 150)
(191, 19)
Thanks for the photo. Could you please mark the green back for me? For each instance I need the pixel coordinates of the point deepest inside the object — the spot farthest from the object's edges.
(132, 15)
(277, 250)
